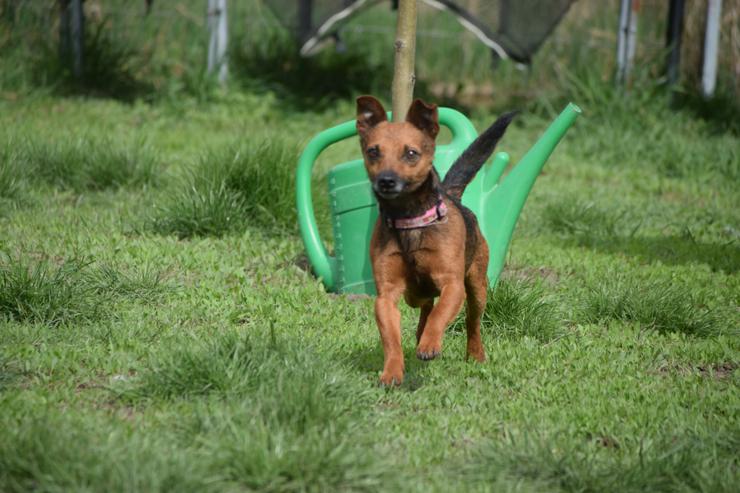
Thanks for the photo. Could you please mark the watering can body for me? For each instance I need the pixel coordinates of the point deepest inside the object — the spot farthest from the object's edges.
(354, 210)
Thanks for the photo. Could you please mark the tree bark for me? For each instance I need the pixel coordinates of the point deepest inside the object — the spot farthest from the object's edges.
(403, 70)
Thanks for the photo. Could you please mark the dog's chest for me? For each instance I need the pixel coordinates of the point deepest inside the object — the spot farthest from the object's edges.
(416, 247)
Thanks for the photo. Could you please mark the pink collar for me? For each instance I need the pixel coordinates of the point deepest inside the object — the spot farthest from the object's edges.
(431, 216)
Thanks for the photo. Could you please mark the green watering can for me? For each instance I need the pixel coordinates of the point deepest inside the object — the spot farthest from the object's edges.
(497, 204)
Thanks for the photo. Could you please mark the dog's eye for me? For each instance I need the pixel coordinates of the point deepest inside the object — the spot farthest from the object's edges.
(411, 155)
(373, 152)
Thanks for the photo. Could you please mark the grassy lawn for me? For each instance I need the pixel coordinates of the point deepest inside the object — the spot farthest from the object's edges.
(158, 330)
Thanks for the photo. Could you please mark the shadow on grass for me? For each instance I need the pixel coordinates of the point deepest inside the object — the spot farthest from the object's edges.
(615, 231)
(368, 361)
(721, 112)
(674, 250)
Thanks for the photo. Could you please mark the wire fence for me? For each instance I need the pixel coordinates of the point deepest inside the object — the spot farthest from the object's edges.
(169, 40)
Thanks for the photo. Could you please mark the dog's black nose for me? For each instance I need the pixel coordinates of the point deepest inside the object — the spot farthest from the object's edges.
(387, 183)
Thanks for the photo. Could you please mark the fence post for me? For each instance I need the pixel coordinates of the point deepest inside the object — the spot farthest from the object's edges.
(403, 69)
(218, 28)
(65, 44)
(673, 40)
(711, 48)
(626, 39)
(77, 31)
(305, 13)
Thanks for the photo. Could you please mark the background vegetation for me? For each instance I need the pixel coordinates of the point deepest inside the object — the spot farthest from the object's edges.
(159, 329)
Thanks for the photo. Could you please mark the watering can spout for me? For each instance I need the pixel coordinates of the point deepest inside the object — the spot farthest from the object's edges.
(502, 204)
(542, 149)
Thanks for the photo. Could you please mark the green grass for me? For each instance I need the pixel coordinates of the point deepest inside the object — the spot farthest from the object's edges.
(80, 164)
(68, 291)
(11, 186)
(196, 353)
(254, 413)
(232, 188)
(663, 305)
(573, 217)
(677, 463)
(516, 309)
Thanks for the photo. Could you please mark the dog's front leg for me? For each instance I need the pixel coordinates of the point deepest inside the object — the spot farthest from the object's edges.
(450, 302)
(388, 317)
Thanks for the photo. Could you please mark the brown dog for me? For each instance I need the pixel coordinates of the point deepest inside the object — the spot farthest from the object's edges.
(425, 244)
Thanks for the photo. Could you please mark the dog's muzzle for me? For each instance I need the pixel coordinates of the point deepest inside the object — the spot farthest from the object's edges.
(388, 184)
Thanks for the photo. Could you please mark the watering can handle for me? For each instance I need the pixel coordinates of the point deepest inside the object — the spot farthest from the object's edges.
(323, 264)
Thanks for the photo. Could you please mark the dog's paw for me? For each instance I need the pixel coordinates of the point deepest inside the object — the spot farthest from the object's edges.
(475, 350)
(391, 379)
(427, 351)
(476, 354)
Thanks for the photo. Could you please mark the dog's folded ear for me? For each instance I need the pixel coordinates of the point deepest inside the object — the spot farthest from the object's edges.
(369, 113)
(424, 117)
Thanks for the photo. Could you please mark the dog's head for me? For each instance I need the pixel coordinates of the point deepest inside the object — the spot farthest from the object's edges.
(398, 156)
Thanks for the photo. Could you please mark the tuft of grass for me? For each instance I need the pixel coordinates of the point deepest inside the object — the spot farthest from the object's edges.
(234, 364)
(73, 290)
(232, 188)
(200, 209)
(144, 284)
(587, 220)
(663, 306)
(554, 464)
(83, 164)
(229, 364)
(12, 186)
(47, 450)
(517, 309)
(41, 292)
(294, 419)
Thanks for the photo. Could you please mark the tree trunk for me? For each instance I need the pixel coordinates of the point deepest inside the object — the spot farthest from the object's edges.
(403, 70)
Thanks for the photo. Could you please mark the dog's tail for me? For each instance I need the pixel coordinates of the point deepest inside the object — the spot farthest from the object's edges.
(470, 161)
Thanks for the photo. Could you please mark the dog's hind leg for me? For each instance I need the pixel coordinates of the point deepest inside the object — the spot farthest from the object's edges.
(426, 309)
(476, 297)
(476, 286)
